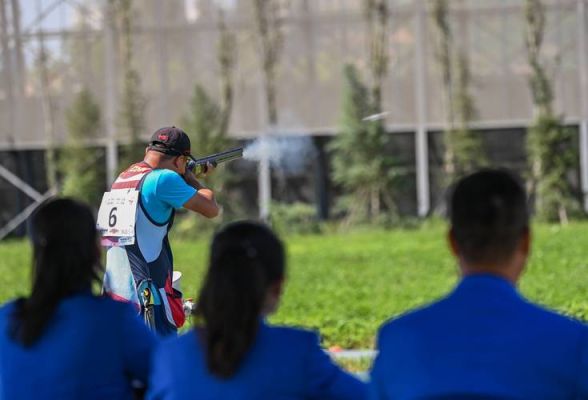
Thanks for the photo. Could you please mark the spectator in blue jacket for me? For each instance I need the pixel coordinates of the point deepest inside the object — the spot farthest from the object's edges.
(233, 353)
(62, 342)
(484, 340)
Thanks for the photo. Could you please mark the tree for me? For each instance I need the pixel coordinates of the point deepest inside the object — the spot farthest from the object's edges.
(86, 59)
(359, 162)
(204, 123)
(82, 178)
(269, 30)
(227, 59)
(463, 149)
(48, 113)
(376, 15)
(207, 121)
(7, 66)
(549, 143)
(18, 48)
(133, 103)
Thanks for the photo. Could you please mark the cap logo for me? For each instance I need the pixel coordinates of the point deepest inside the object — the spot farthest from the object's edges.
(162, 136)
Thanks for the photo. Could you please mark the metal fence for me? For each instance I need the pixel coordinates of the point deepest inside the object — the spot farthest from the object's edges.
(175, 48)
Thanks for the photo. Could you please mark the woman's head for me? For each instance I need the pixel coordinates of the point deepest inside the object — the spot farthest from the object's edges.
(66, 260)
(65, 245)
(243, 283)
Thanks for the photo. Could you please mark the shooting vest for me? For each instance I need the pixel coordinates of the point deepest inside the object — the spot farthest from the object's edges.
(138, 253)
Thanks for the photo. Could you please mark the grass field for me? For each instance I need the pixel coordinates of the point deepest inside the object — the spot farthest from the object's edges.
(346, 285)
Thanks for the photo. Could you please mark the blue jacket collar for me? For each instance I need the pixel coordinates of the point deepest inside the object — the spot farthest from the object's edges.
(486, 282)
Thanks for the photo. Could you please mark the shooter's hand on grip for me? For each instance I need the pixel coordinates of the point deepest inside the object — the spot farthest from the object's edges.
(201, 169)
(192, 179)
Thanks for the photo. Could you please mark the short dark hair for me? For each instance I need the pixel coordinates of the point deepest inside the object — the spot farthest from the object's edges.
(489, 214)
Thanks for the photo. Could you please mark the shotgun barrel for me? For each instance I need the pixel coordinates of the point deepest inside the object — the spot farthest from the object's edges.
(198, 165)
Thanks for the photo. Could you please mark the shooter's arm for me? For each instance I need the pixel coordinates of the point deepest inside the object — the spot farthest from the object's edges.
(203, 202)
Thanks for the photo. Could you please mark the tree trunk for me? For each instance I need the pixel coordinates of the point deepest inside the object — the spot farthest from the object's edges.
(7, 63)
(376, 12)
(227, 49)
(48, 118)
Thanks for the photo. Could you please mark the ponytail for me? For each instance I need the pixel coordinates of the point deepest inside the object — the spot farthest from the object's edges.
(246, 259)
(65, 262)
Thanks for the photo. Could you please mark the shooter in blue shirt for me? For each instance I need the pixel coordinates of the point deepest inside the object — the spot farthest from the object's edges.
(143, 262)
(62, 342)
(233, 353)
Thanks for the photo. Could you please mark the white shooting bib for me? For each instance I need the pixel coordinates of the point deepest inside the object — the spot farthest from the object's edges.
(117, 215)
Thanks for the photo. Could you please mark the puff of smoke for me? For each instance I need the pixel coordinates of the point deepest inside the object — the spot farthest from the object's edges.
(290, 154)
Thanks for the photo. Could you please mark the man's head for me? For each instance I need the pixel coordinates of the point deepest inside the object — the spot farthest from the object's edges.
(169, 148)
(490, 223)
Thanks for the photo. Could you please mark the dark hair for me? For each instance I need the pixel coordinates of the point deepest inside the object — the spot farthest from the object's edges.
(489, 214)
(66, 260)
(245, 259)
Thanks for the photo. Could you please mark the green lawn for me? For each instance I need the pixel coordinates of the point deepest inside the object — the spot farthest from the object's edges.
(346, 285)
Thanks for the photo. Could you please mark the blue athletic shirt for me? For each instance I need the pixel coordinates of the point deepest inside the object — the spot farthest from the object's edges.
(164, 190)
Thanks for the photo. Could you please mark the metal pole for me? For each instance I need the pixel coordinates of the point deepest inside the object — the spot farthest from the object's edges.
(264, 179)
(19, 183)
(264, 182)
(421, 145)
(24, 214)
(582, 66)
(110, 98)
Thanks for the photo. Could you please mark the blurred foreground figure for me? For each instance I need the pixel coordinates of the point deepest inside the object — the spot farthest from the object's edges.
(232, 353)
(484, 340)
(135, 217)
(62, 342)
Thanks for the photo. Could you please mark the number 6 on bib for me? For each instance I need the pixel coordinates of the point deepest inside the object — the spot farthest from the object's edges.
(116, 216)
